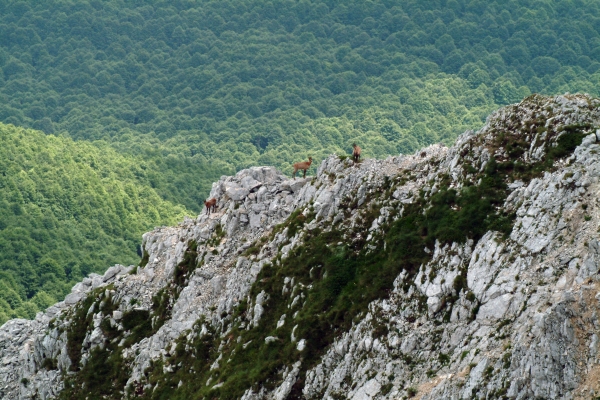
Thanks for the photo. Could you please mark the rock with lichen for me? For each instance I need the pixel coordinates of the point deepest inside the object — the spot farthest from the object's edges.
(453, 273)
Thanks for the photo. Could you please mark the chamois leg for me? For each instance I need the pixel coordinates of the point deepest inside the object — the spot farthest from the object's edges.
(304, 176)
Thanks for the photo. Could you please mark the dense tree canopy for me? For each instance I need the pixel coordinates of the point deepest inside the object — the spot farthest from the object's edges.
(172, 94)
(67, 209)
(214, 86)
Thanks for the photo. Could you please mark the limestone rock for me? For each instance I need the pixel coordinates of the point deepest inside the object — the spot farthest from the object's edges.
(497, 315)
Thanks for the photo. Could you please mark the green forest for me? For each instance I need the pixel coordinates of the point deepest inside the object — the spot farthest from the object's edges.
(67, 209)
(180, 92)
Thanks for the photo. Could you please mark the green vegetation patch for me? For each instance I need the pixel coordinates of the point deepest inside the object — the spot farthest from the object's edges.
(103, 376)
(105, 371)
(188, 361)
(453, 216)
(139, 323)
(67, 209)
(163, 301)
(557, 144)
(77, 330)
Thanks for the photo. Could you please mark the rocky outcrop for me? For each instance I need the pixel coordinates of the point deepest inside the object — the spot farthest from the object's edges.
(454, 273)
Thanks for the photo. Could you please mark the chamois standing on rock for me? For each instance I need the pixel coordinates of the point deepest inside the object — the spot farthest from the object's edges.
(356, 152)
(210, 204)
(302, 166)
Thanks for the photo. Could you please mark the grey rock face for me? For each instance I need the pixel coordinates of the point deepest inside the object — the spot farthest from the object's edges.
(529, 337)
(523, 325)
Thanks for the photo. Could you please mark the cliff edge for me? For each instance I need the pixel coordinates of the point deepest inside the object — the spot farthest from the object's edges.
(453, 273)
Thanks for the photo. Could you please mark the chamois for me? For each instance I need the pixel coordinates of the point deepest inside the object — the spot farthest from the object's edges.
(210, 204)
(302, 166)
(356, 152)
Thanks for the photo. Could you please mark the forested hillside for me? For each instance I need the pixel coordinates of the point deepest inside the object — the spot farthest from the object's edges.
(215, 86)
(67, 209)
(171, 95)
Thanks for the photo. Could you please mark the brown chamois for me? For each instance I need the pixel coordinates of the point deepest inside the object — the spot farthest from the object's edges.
(210, 204)
(302, 166)
(356, 152)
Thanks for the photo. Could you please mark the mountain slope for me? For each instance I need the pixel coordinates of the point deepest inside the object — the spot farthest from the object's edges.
(459, 272)
(67, 209)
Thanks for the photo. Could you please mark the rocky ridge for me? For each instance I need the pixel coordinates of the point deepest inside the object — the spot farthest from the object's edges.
(300, 284)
